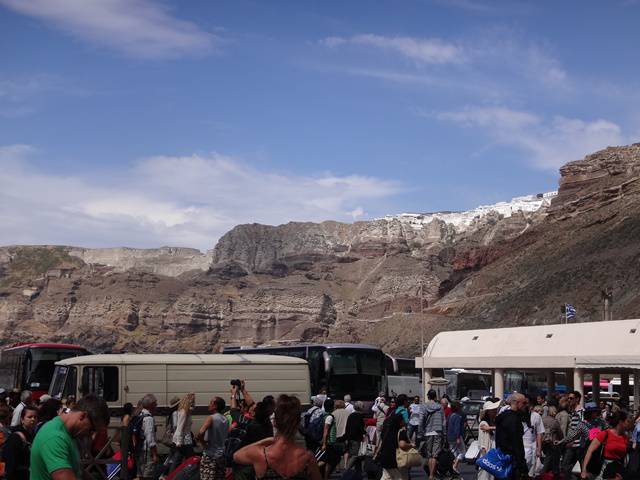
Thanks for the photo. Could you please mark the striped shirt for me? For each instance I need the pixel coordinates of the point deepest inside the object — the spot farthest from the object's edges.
(578, 435)
(576, 419)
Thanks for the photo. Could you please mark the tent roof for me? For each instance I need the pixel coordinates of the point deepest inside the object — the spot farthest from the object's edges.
(576, 345)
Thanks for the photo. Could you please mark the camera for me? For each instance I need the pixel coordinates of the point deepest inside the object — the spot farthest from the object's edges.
(237, 383)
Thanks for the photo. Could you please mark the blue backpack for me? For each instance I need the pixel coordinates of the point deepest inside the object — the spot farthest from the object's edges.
(315, 430)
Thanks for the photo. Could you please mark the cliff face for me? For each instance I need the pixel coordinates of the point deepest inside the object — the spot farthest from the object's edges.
(380, 281)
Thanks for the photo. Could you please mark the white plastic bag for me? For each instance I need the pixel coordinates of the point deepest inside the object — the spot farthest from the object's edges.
(472, 452)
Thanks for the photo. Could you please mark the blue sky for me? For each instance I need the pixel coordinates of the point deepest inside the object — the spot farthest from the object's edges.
(147, 123)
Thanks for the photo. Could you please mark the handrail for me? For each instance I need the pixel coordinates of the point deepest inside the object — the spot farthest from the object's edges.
(92, 464)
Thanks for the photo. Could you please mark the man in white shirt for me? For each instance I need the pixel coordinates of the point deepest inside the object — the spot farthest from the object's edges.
(348, 406)
(25, 399)
(532, 438)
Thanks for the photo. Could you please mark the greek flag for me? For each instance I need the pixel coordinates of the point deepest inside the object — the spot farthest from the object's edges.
(570, 311)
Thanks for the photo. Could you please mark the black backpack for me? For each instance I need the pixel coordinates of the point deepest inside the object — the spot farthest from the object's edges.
(136, 433)
(233, 443)
(445, 461)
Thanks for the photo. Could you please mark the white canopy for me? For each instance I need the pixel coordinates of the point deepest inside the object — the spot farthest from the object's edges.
(577, 345)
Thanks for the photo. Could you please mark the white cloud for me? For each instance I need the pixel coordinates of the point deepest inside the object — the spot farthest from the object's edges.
(548, 143)
(190, 201)
(21, 95)
(139, 28)
(421, 50)
(497, 61)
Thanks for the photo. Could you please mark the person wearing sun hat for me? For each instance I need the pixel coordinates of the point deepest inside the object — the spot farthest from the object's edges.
(172, 420)
(486, 432)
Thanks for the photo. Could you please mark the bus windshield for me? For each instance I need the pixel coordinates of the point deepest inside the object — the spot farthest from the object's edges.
(41, 364)
(358, 372)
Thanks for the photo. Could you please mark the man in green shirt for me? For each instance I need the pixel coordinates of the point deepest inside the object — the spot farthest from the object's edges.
(54, 453)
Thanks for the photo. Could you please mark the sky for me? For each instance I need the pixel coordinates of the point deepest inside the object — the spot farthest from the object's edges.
(147, 123)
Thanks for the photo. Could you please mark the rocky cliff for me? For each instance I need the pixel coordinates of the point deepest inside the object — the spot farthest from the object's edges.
(379, 281)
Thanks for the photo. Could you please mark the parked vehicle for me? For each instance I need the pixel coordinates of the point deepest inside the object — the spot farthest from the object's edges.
(29, 366)
(119, 379)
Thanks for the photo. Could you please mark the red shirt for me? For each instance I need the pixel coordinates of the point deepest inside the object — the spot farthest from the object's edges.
(615, 446)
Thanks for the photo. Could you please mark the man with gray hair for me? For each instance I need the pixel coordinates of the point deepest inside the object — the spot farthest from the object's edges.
(25, 399)
(144, 432)
(348, 406)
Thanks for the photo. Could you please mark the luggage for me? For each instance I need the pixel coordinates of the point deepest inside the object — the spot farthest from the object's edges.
(445, 461)
(372, 469)
(187, 470)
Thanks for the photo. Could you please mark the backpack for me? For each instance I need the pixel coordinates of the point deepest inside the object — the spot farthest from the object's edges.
(187, 470)
(306, 420)
(333, 429)
(136, 433)
(233, 443)
(316, 429)
(445, 461)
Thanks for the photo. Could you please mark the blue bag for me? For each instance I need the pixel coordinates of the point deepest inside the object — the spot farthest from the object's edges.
(496, 463)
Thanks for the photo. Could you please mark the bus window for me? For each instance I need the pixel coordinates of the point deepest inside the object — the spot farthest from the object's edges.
(389, 366)
(343, 363)
(57, 383)
(70, 386)
(63, 383)
(101, 381)
(370, 364)
(316, 369)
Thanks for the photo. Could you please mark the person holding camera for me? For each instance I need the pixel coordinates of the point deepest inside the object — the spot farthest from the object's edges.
(242, 404)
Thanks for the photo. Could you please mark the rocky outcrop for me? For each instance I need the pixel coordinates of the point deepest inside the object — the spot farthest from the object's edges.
(599, 179)
(378, 281)
(169, 261)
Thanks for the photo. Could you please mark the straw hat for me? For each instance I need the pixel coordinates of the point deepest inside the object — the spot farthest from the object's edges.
(174, 402)
(489, 405)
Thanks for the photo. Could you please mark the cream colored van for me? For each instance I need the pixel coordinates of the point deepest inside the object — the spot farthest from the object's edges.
(122, 378)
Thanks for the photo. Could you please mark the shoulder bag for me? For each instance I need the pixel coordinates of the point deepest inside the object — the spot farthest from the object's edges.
(407, 458)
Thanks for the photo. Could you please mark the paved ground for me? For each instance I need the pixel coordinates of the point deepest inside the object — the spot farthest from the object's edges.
(468, 472)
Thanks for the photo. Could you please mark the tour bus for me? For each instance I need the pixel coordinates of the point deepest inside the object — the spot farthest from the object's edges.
(351, 368)
(473, 384)
(29, 366)
(122, 378)
(402, 376)
(534, 383)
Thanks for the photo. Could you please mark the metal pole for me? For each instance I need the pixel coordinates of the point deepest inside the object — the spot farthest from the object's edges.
(422, 339)
(124, 453)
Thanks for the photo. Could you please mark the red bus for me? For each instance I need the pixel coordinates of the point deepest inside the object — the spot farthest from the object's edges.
(29, 366)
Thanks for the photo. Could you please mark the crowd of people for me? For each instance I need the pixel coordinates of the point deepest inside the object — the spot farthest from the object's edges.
(552, 438)
(556, 438)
